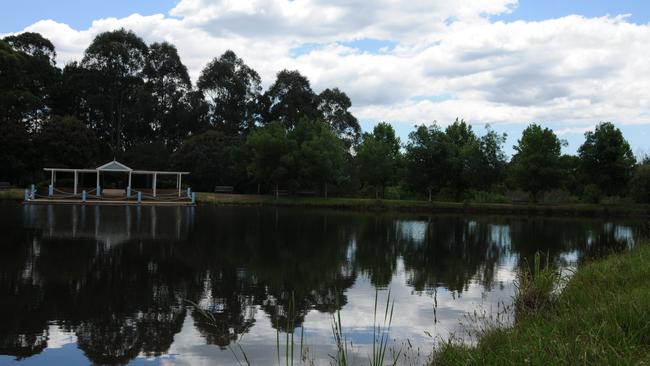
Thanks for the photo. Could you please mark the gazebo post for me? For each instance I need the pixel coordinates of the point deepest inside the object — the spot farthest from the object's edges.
(98, 191)
(75, 181)
(155, 175)
(178, 183)
(128, 189)
(52, 178)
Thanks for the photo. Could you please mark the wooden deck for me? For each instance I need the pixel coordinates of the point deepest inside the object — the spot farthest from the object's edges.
(107, 201)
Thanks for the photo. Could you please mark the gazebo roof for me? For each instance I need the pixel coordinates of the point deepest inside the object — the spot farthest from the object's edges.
(114, 166)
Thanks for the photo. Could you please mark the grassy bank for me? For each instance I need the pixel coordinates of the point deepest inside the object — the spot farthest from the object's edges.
(602, 317)
(13, 194)
(364, 204)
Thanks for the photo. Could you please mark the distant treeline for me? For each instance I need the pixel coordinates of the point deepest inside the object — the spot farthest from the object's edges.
(135, 102)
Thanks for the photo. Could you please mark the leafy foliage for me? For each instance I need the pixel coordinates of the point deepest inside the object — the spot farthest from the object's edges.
(607, 159)
(233, 89)
(65, 142)
(210, 158)
(379, 157)
(536, 165)
(289, 99)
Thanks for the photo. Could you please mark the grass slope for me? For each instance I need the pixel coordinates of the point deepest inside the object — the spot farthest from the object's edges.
(366, 204)
(601, 318)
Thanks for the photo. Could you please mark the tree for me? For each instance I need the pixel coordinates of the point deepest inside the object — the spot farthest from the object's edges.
(379, 157)
(473, 162)
(320, 153)
(26, 80)
(427, 159)
(536, 166)
(15, 151)
(493, 157)
(640, 183)
(168, 83)
(464, 161)
(65, 142)
(119, 57)
(233, 89)
(334, 105)
(289, 100)
(33, 44)
(607, 160)
(272, 154)
(209, 156)
(28, 65)
(149, 156)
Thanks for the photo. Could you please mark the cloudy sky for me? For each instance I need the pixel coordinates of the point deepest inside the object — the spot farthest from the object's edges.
(567, 64)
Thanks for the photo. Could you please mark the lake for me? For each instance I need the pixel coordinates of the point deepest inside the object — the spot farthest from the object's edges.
(200, 285)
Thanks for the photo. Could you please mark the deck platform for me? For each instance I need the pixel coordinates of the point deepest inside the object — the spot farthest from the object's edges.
(107, 202)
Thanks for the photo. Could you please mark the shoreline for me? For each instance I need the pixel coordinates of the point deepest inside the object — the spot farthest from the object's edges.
(599, 318)
(372, 205)
(410, 206)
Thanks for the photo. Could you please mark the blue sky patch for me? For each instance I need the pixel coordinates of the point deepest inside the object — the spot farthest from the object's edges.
(370, 45)
(433, 98)
(367, 45)
(79, 14)
(549, 9)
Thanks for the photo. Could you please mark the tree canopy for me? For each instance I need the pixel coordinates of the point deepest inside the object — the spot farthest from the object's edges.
(379, 157)
(536, 164)
(607, 160)
(136, 102)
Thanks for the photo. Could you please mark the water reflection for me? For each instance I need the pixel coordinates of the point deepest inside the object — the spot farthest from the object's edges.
(125, 282)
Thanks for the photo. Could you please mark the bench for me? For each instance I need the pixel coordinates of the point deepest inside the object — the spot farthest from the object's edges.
(4, 186)
(280, 192)
(224, 189)
(306, 193)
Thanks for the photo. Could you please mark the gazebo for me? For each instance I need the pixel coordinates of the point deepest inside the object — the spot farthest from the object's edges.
(114, 167)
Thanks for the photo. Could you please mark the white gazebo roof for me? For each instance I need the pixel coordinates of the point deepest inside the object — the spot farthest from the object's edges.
(114, 166)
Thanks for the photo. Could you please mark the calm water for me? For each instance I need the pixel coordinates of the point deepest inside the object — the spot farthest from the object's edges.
(116, 285)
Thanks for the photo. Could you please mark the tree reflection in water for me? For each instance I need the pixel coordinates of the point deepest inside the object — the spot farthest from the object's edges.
(122, 278)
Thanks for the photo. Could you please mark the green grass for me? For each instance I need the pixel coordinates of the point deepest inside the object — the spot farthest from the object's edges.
(12, 194)
(602, 317)
(366, 204)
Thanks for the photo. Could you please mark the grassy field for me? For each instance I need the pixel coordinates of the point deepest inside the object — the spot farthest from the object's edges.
(602, 317)
(365, 204)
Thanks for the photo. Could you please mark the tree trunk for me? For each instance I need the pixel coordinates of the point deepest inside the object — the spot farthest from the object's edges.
(258, 188)
(325, 189)
(376, 193)
(276, 192)
(429, 194)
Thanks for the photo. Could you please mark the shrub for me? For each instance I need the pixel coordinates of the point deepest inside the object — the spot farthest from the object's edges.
(591, 194)
(487, 197)
(640, 184)
(392, 193)
(558, 196)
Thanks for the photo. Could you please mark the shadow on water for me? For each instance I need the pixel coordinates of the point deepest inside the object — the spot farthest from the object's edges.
(120, 278)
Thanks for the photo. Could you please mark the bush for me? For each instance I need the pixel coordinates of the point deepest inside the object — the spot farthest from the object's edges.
(392, 193)
(487, 197)
(591, 194)
(640, 184)
(558, 196)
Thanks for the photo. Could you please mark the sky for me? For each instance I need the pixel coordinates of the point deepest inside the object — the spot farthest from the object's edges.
(566, 64)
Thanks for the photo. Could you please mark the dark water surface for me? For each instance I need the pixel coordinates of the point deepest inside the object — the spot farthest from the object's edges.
(116, 285)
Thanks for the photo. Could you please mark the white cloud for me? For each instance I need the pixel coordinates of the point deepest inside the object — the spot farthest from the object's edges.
(571, 70)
